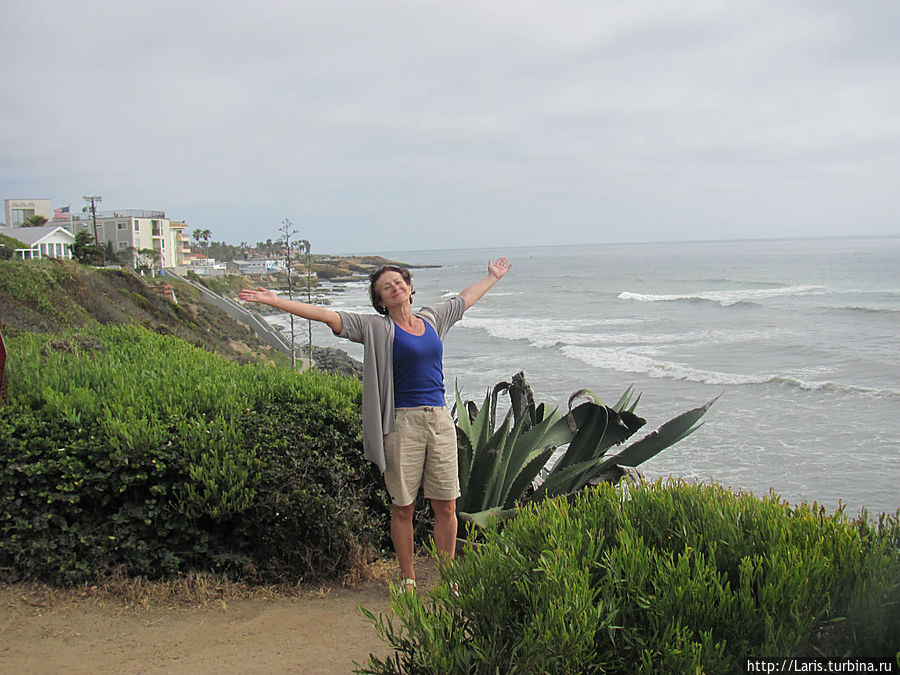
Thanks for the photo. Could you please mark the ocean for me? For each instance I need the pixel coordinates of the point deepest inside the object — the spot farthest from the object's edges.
(799, 339)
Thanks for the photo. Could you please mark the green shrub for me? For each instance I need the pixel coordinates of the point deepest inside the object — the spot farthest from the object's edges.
(669, 578)
(38, 285)
(122, 448)
(8, 246)
(328, 503)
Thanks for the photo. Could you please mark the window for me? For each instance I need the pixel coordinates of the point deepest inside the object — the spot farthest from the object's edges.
(18, 216)
(137, 226)
(123, 244)
(121, 226)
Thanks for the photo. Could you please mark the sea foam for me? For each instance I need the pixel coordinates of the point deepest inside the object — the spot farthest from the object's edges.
(723, 298)
(629, 362)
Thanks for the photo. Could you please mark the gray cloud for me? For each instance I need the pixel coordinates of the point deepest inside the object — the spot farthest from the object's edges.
(387, 125)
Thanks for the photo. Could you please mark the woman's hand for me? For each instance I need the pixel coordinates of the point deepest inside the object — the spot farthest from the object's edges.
(500, 268)
(476, 291)
(260, 295)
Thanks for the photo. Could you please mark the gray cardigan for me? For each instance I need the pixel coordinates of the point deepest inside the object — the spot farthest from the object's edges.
(376, 333)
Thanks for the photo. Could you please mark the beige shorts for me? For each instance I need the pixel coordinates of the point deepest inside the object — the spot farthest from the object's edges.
(421, 450)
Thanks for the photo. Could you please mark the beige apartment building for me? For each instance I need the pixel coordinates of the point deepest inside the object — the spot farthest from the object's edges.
(138, 230)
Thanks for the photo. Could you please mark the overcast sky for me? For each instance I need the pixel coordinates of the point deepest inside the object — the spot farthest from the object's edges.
(383, 125)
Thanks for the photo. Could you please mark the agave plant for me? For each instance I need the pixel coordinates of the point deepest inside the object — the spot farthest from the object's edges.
(499, 466)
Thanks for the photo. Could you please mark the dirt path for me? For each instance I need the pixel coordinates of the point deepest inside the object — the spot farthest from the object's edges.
(320, 632)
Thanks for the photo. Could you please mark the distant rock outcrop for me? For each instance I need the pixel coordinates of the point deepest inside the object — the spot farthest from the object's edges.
(336, 362)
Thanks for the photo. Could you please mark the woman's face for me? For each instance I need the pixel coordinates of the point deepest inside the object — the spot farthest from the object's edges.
(393, 289)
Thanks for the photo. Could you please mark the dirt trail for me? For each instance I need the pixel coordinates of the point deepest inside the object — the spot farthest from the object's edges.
(320, 632)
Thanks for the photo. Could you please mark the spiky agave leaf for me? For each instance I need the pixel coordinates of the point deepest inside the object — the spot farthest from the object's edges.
(485, 517)
(464, 457)
(567, 480)
(474, 423)
(598, 429)
(656, 441)
(527, 476)
(625, 399)
(538, 442)
(505, 454)
(590, 422)
(484, 471)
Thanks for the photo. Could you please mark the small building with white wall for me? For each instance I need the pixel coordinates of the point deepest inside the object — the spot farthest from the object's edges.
(208, 267)
(48, 241)
(257, 267)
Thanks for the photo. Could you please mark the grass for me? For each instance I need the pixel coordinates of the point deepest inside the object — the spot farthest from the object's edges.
(191, 591)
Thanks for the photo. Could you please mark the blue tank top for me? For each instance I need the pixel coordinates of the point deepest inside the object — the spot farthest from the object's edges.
(418, 368)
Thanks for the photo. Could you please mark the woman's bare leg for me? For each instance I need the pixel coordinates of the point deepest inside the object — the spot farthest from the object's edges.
(444, 527)
(402, 536)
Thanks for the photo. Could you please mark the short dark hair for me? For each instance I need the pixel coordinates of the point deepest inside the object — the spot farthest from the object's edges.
(373, 278)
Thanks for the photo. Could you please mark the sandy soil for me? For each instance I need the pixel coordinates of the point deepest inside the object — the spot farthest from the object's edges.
(320, 631)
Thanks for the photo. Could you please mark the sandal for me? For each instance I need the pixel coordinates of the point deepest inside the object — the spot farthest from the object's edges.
(408, 585)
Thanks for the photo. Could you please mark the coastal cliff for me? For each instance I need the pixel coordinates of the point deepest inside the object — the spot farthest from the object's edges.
(53, 296)
(56, 296)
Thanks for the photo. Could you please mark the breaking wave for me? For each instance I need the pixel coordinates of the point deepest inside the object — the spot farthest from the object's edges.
(545, 333)
(723, 298)
(627, 362)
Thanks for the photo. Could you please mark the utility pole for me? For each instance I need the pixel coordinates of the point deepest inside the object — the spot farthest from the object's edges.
(306, 248)
(286, 233)
(93, 199)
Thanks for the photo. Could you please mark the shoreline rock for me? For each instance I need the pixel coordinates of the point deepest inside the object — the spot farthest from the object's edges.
(335, 361)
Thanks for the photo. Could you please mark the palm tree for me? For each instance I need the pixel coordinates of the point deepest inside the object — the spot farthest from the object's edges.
(34, 221)
(197, 235)
(206, 235)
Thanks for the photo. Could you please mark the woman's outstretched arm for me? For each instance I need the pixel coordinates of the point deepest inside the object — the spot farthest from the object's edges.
(476, 291)
(304, 310)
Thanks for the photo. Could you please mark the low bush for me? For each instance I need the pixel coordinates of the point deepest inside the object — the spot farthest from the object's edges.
(668, 578)
(124, 449)
(321, 505)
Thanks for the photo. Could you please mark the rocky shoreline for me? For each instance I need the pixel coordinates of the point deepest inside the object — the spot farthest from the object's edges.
(335, 361)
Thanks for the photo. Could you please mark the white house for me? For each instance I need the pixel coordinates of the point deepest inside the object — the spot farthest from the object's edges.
(49, 241)
(253, 267)
(208, 267)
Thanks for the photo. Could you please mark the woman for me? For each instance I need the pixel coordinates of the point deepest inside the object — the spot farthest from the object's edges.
(407, 429)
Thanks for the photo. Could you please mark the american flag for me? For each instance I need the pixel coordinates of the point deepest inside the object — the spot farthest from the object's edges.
(62, 213)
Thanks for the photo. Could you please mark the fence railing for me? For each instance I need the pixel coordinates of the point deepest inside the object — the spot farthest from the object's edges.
(259, 326)
(124, 213)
